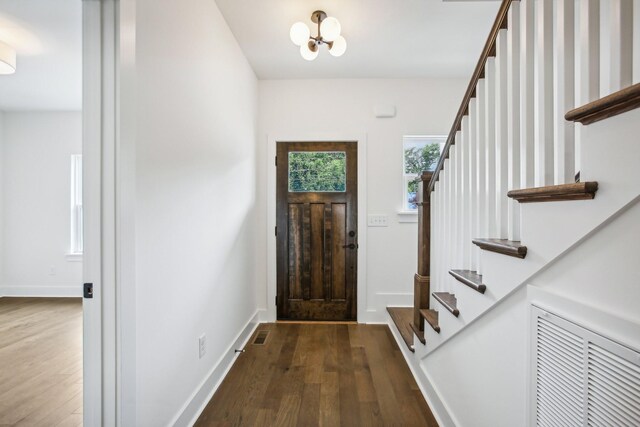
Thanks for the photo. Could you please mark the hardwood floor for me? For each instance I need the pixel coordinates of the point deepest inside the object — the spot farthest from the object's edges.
(40, 361)
(319, 375)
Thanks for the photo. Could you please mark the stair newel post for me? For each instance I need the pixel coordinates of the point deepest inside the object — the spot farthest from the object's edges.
(421, 284)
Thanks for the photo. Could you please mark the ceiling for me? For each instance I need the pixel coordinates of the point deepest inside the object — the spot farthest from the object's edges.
(385, 38)
(47, 35)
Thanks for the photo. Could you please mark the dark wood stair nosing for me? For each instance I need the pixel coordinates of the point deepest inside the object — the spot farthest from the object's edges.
(502, 246)
(431, 316)
(556, 193)
(448, 301)
(466, 277)
(403, 322)
(618, 102)
(419, 334)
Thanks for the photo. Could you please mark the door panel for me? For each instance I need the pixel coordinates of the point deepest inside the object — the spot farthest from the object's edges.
(317, 231)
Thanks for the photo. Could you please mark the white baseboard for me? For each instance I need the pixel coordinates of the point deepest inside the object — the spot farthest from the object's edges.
(190, 412)
(63, 290)
(437, 406)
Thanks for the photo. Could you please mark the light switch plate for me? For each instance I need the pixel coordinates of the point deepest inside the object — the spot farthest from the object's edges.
(378, 220)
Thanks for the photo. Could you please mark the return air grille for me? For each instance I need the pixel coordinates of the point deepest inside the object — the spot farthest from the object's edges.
(582, 378)
(261, 338)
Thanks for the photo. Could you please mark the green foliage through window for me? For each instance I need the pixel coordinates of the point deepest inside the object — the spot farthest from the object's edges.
(419, 156)
(317, 171)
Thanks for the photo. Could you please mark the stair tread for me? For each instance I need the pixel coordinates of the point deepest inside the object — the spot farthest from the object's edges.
(502, 246)
(469, 278)
(556, 193)
(611, 105)
(403, 318)
(449, 301)
(431, 316)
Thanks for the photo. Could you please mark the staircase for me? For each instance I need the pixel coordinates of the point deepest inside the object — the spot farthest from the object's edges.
(525, 179)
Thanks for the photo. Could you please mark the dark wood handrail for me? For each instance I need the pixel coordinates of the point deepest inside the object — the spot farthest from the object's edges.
(611, 105)
(488, 51)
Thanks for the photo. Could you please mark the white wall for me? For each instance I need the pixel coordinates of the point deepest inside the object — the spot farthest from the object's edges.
(35, 158)
(336, 108)
(195, 204)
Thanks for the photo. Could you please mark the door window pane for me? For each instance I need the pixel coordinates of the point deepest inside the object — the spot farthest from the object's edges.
(318, 171)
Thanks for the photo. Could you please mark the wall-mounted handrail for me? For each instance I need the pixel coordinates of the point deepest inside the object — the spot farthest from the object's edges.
(488, 51)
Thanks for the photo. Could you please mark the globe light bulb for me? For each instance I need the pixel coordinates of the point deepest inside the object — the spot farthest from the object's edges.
(307, 53)
(299, 33)
(330, 29)
(339, 47)
(7, 59)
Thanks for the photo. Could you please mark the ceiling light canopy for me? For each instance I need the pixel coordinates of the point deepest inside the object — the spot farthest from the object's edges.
(329, 30)
(7, 59)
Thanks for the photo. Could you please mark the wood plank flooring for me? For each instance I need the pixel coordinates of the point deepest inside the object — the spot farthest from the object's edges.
(40, 361)
(319, 375)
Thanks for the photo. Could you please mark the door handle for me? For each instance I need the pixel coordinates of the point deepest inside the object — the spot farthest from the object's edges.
(350, 246)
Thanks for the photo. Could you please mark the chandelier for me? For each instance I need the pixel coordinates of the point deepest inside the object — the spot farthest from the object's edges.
(328, 34)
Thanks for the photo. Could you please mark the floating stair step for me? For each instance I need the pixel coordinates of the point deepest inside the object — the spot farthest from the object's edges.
(431, 316)
(556, 193)
(469, 278)
(449, 301)
(403, 318)
(611, 105)
(418, 332)
(502, 246)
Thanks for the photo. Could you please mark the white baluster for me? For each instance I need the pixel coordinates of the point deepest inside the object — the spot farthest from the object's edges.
(543, 94)
(564, 92)
(513, 117)
(445, 224)
(465, 186)
(620, 45)
(588, 73)
(480, 166)
(453, 200)
(459, 202)
(473, 190)
(501, 137)
(526, 93)
(490, 226)
(435, 237)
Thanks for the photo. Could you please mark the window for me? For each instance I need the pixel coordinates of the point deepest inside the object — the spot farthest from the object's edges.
(420, 153)
(76, 246)
(315, 171)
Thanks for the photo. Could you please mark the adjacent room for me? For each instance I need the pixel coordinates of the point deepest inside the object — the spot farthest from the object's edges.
(41, 214)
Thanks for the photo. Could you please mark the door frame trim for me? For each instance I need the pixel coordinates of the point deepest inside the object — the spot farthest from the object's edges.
(361, 286)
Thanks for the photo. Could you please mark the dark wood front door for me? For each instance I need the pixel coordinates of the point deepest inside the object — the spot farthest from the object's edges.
(317, 233)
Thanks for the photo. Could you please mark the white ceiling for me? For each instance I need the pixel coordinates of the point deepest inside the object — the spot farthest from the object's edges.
(385, 38)
(47, 35)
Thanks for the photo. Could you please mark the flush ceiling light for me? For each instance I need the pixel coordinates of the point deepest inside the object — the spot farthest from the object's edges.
(328, 33)
(7, 59)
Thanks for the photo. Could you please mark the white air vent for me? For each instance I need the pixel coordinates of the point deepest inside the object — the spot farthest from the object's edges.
(581, 378)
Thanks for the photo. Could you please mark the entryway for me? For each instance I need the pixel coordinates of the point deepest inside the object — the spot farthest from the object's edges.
(317, 230)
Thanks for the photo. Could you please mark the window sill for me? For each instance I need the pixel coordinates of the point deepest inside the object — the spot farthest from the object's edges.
(408, 216)
(73, 257)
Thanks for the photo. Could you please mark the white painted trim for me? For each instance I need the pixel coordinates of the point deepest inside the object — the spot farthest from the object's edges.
(361, 139)
(408, 216)
(196, 403)
(438, 408)
(92, 183)
(73, 257)
(62, 290)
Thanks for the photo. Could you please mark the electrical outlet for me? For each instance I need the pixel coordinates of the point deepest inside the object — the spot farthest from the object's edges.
(202, 346)
(378, 220)
(52, 271)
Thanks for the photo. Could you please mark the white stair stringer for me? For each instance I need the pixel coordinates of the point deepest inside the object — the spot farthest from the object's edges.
(610, 156)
